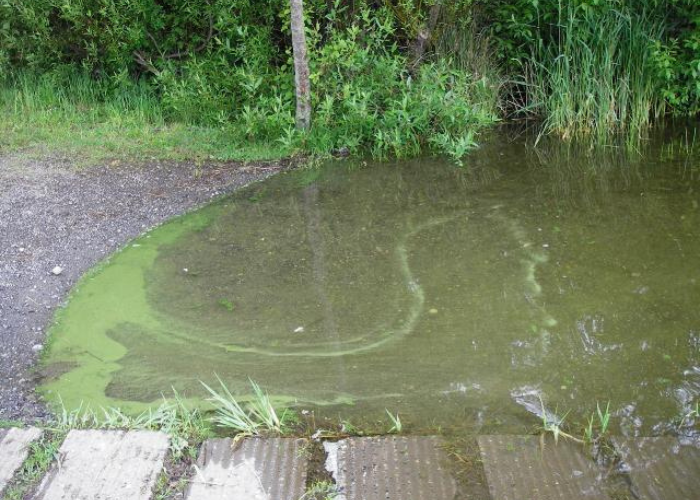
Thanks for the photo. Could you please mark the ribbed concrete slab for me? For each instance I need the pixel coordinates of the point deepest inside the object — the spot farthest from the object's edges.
(519, 468)
(391, 468)
(106, 465)
(661, 468)
(14, 448)
(255, 469)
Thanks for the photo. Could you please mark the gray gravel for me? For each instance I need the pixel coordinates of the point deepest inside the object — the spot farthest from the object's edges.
(55, 215)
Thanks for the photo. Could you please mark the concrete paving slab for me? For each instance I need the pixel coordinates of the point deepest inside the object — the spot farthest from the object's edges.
(253, 469)
(106, 465)
(390, 468)
(519, 468)
(661, 468)
(14, 448)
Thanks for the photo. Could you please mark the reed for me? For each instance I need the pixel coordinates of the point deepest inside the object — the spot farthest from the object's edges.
(592, 77)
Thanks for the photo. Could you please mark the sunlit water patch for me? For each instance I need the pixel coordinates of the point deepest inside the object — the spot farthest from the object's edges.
(447, 295)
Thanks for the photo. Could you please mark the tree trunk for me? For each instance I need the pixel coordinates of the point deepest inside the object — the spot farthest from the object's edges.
(301, 66)
(424, 37)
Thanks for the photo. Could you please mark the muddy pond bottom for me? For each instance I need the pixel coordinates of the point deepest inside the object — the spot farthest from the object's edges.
(455, 297)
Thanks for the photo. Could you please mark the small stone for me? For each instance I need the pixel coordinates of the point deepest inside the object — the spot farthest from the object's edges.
(433, 311)
(56, 271)
(37, 347)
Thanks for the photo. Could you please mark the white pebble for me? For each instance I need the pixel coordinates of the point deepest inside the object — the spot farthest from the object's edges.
(56, 270)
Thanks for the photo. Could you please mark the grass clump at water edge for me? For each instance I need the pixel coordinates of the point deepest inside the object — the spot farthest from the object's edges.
(248, 419)
(594, 77)
(186, 427)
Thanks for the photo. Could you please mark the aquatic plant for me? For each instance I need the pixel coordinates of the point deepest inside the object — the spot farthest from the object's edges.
(553, 424)
(691, 416)
(594, 77)
(598, 424)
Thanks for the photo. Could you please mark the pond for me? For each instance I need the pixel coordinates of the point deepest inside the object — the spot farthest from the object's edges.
(455, 297)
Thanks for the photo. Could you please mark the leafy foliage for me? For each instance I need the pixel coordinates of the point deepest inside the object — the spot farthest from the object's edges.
(227, 64)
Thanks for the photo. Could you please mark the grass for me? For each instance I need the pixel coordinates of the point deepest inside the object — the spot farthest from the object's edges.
(598, 424)
(595, 432)
(253, 418)
(75, 116)
(321, 490)
(470, 49)
(226, 304)
(8, 424)
(396, 425)
(42, 454)
(593, 79)
(186, 427)
(691, 417)
(555, 425)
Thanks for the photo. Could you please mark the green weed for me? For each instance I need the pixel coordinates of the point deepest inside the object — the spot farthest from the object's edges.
(321, 490)
(396, 425)
(690, 417)
(554, 425)
(249, 419)
(186, 427)
(42, 454)
(7, 424)
(598, 424)
(226, 304)
(594, 78)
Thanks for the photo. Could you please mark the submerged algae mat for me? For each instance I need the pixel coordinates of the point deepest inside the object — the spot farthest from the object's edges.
(444, 294)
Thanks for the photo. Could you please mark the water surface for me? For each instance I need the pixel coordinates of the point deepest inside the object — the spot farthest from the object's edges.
(447, 295)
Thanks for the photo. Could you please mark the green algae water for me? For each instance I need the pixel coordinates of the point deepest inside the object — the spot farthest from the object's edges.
(448, 295)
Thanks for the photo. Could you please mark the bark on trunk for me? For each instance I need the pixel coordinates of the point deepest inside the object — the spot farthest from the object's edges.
(424, 37)
(301, 66)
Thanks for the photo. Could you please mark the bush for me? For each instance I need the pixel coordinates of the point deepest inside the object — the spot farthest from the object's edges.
(583, 65)
(366, 99)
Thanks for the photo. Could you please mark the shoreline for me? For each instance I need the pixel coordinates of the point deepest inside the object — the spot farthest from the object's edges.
(54, 214)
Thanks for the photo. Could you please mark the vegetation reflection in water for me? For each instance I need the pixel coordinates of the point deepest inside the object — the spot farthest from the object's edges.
(444, 294)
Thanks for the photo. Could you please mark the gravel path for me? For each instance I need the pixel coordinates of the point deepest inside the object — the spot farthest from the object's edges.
(54, 214)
